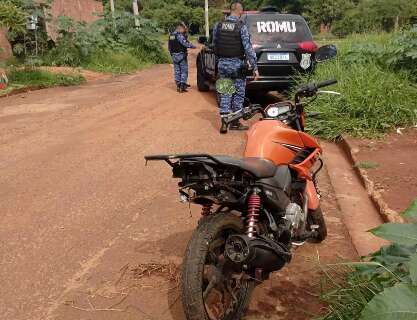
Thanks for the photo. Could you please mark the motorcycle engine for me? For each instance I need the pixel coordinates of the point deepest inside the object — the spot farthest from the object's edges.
(295, 215)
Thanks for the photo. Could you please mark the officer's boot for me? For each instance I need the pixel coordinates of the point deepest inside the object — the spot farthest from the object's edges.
(237, 125)
(178, 87)
(184, 87)
(224, 126)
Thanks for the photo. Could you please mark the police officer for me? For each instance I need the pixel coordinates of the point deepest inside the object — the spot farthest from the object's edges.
(233, 47)
(178, 48)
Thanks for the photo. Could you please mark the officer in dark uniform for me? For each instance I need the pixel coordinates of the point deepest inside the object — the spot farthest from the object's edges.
(233, 47)
(178, 48)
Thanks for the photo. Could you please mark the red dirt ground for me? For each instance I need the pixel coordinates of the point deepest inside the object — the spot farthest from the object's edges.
(80, 211)
(395, 174)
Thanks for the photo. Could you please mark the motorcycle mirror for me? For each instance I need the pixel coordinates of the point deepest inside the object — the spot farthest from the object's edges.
(326, 52)
(202, 39)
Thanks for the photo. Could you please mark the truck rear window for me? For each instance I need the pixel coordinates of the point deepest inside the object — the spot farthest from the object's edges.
(277, 28)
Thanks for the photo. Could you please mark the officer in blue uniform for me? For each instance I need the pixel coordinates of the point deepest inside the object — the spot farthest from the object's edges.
(233, 47)
(178, 48)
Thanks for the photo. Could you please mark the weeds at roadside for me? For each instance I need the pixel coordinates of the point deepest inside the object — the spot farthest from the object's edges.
(30, 77)
(374, 99)
(366, 165)
(115, 62)
(382, 285)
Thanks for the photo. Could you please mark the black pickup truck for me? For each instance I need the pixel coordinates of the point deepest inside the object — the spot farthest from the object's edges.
(284, 47)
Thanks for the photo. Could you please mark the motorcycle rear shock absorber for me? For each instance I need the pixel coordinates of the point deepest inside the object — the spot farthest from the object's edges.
(206, 210)
(254, 204)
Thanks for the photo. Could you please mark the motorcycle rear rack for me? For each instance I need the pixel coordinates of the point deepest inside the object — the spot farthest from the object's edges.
(169, 157)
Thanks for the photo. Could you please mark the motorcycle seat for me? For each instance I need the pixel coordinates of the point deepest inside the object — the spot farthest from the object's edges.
(258, 167)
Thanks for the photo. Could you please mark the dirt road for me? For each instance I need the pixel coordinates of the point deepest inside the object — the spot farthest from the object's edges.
(88, 232)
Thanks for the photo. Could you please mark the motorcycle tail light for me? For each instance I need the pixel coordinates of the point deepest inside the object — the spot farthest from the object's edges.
(308, 46)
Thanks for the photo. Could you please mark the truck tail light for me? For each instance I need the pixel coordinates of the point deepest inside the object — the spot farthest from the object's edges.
(308, 46)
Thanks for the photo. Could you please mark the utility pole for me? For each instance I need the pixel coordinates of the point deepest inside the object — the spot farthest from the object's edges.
(206, 15)
(112, 7)
(135, 6)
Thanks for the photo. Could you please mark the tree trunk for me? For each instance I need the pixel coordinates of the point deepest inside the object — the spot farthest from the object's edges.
(324, 28)
(397, 23)
(5, 48)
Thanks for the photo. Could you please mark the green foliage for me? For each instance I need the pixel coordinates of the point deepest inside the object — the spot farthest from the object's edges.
(374, 99)
(366, 165)
(411, 212)
(383, 286)
(42, 79)
(402, 53)
(12, 15)
(413, 269)
(397, 53)
(374, 16)
(324, 13)
(405, 234)
(115, 62)
(168, 13)
(107, 44)
(398, 302)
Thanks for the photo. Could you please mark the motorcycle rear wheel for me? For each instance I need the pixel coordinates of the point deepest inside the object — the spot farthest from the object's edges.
(204, 256)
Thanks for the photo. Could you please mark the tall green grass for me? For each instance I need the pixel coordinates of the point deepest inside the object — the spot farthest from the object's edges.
(374, 99)
(115, 62)
(42, 79)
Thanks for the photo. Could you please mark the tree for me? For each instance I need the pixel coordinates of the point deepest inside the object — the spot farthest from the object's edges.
(325, 13)
(12, 16)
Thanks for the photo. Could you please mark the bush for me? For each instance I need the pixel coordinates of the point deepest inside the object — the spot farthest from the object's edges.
(399, 52)
(115, 39)
(384, 285)
(42, 79)
(168, 13)
(114, 62)
(402, 52)
(374, 99)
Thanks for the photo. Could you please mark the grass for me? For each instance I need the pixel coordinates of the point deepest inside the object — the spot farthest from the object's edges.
(31, 77)
(116, 62)
(374, 99)
(366, 165)
(345, 292)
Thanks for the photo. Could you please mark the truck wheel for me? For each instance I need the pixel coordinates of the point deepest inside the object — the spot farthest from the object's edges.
(201, 81)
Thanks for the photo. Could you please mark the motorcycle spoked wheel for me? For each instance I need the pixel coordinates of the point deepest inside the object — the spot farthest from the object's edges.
(204, 297)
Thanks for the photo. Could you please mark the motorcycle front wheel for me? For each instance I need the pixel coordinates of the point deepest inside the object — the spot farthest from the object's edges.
(209, 290)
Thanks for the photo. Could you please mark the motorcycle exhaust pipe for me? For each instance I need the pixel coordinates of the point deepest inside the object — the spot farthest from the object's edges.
(256, 253)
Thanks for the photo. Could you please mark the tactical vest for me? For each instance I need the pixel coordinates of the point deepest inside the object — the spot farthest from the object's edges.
(228, 40)
(174, 45)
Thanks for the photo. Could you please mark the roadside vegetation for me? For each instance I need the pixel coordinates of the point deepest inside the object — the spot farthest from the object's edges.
(111, 44)
(119, 43)
(377, 79)
(37, 78)
(383, 285)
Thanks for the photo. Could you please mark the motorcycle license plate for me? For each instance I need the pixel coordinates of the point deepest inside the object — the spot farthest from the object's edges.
(278, 56)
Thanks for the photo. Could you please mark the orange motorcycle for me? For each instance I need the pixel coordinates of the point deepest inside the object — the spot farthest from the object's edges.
(254, 209)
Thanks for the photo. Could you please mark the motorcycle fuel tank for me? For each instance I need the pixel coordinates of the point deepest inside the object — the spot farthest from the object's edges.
(273, 140)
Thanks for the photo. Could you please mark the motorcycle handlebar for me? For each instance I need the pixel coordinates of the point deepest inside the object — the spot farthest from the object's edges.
(326, 83)
(246, 113)
(310, 90)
